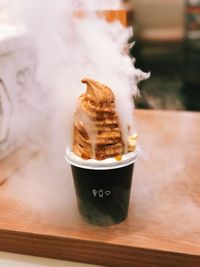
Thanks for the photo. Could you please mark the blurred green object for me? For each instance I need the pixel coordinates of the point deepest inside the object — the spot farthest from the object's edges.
(191, 89)
(192, 43)
(159, 33)
(167, 44)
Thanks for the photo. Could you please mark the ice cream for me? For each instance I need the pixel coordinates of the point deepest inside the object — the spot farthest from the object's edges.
(102, 159)
(97, 131)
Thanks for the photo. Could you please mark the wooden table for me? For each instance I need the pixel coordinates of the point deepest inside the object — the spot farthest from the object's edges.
(38, 214)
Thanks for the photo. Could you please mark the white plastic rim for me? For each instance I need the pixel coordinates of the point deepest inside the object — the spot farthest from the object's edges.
(106, 164)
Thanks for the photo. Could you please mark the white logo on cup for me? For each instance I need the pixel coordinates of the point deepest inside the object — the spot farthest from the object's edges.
(101, 193)
(94, 192)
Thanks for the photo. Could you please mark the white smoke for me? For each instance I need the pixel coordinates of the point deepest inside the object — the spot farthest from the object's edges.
(70, 48)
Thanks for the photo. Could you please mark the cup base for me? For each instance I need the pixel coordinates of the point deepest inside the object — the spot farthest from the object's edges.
(101, 220)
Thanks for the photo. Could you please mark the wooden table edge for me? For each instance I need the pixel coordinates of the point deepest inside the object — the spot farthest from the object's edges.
(79, 250)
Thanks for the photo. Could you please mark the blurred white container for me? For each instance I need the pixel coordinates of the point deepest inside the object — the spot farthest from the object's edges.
(17, 65)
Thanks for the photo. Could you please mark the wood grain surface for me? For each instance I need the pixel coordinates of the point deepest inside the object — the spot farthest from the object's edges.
(38, 212)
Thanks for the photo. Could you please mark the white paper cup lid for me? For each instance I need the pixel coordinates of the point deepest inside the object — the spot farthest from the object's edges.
(106, 164)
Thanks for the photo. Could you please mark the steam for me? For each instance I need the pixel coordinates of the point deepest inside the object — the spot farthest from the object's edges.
(70, 48)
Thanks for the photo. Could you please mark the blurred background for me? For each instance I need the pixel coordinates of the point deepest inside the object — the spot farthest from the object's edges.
(167, 35)
(167, 44)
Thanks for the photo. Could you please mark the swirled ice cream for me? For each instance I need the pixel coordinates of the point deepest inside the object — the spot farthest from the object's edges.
(97, 131)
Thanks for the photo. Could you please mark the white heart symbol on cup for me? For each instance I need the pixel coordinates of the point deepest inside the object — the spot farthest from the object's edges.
(107, 193)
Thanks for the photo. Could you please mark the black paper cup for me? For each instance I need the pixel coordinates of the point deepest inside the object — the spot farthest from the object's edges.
(103, 187)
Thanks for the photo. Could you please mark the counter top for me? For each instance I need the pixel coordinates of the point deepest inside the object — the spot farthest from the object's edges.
(39, 214)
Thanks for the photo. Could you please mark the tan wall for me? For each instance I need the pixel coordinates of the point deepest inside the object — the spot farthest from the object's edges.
(158, 15)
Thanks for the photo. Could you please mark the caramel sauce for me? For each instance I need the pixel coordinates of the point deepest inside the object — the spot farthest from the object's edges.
(118, 158)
